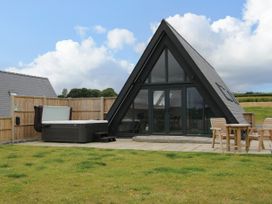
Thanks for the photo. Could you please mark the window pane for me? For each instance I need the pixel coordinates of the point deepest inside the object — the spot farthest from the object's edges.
(136, 121)
(158, 111)
(208, 114)
(175, 72)
(195, 112)
(158, 72)
(146, 81)
(127, 122)
(141, 112)
(175, 111)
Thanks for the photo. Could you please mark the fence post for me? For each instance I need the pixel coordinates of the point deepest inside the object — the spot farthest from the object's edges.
(102, 108)
(12, 106)
(44, 100)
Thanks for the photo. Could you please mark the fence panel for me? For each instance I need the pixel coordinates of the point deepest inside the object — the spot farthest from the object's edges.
(5, 130)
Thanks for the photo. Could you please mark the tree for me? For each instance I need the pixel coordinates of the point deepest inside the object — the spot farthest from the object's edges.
(94, 93)
(84, 92)
(75, 93)
(108, 92)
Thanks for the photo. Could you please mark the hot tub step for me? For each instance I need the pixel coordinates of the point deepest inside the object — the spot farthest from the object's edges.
(107, 139)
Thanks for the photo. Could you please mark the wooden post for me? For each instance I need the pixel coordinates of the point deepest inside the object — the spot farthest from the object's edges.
(69, 104)
(12, 114)
(102, 108)
(44, 101)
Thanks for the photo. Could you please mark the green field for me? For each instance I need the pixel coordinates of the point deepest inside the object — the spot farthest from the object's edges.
(85, 175)
(254, 97)
(260, 113)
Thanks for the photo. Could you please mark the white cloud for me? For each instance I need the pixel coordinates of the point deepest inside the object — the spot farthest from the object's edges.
(73, 64)
(239, 49)
(99, 29)
(140, 47)
(81, 30)
(117, 38)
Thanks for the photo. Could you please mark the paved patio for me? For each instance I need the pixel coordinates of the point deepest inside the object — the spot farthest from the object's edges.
(184, 145)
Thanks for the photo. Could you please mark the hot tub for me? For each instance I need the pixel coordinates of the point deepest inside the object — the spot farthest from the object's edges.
(55, 125)
(78, 131)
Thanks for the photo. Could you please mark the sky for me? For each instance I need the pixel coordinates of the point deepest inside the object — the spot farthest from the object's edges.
(96, 44)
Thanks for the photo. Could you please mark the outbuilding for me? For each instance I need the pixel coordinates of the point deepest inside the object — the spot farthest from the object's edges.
(22, 85)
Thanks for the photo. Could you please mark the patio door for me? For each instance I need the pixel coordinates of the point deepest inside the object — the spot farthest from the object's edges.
(167, 111)
(159, 111)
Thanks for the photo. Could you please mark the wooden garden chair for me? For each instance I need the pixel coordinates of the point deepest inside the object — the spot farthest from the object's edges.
(265, 132)
(218, 127)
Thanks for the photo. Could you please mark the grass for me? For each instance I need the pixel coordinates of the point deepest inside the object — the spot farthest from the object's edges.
(86, 175)
(260, 113)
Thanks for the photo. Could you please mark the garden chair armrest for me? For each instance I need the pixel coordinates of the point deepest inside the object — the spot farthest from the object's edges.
(217, 129)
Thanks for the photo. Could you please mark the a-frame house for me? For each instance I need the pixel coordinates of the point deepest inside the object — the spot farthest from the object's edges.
(172, 90)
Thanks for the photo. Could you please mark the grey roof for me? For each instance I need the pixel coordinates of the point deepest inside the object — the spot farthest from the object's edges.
(213, 87)
(22, 85)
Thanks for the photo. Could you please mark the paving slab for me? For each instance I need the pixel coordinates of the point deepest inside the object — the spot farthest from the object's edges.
(172, 139)
(153, 146)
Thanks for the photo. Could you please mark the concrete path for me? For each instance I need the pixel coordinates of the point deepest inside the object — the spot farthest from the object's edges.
(172, 139)
(152, 146)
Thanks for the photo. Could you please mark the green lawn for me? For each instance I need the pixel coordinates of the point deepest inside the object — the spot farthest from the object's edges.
(85, 175)
(260, 113)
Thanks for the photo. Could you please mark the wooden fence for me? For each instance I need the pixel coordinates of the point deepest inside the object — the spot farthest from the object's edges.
(23, 108)
(5, 130)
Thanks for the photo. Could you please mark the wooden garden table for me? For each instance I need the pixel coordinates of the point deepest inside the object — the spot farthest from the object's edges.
(237, 128)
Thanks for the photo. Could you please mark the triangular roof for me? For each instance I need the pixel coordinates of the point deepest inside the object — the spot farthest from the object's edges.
(200, 71)
(22, 85)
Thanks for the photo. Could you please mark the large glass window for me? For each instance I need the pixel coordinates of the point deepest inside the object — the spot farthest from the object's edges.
(175, 72)
(136, 118)
(141, 111)
(158, 73)
(127, 123)
(167, 103)
(195, 111)
(175, 110)
(158, 111)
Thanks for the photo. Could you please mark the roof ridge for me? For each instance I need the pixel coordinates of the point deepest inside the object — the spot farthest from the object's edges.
(20, 74)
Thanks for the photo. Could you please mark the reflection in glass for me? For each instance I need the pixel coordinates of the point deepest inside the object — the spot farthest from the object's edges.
(175, 111)
(136, 118)
(127, 123)
(208, 114)
(195, 111)
(146, 81)
(158, 73)
(175, 72)
(158, 111)
(141, 112)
